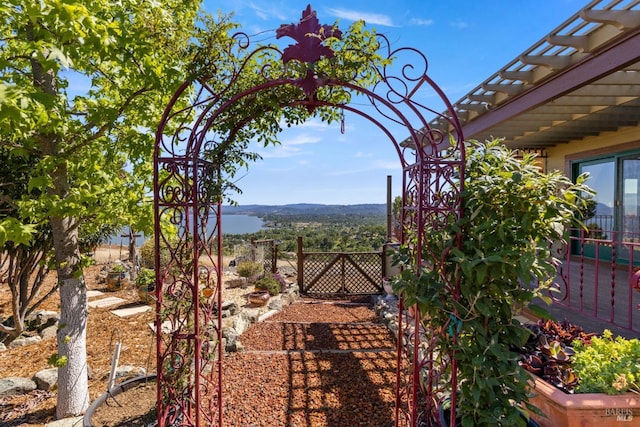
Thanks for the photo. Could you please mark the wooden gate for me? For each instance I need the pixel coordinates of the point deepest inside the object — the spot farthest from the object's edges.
(339, 273)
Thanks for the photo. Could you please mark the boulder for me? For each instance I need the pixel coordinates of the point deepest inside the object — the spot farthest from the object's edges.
(126, 371)
(21, 342)
(240, 324)
(46, 379)
(41, 319)
(13, 386)
(49, 332)
(231, 336)
(275, 304)
(229, 308)
(66, 422)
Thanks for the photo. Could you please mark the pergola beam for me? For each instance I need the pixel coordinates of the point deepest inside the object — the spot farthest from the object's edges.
(620, 54)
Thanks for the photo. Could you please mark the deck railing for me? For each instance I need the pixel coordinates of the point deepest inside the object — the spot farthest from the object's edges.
(598, 277)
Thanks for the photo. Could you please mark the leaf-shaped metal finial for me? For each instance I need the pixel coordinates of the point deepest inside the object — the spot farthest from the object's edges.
(309, 35)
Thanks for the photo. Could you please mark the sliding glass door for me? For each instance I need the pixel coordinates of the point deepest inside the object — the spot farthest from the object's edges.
(616, 213)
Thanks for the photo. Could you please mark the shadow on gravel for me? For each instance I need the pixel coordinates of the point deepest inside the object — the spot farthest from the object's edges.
(349, 380)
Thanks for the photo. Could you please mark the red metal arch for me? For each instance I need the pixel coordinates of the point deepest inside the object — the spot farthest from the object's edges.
(186, 199)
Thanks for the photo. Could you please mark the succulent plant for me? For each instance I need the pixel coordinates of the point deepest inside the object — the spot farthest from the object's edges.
(548, 352)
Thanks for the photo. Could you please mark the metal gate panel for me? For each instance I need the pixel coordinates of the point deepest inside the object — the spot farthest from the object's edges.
(342, 273)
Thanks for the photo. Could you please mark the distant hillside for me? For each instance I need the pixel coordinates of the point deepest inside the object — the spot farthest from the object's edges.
(602, 209)
(307, 209)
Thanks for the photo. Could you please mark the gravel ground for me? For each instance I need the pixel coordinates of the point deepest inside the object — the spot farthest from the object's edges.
(313, 364)
(316, 363)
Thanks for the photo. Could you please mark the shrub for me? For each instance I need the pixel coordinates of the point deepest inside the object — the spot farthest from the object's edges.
(147, 254)
(607, 364)
(268, 283)
(146, 278)
(249, 268)
(118, 268)
(479, 269)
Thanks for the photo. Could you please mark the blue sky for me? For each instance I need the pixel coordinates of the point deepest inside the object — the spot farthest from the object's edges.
(465, 42)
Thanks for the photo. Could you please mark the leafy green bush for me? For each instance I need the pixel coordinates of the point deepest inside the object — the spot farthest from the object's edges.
(147, 254)
(249, 269)
(146, 278)
(268, 283)
(480, 269)
(607, 365)
(118, 268)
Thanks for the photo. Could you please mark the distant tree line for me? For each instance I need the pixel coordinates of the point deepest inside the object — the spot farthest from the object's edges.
(321, 233)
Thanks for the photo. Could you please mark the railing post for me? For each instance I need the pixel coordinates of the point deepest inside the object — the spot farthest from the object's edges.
(274, 257)
(300, 256)
(343, 275)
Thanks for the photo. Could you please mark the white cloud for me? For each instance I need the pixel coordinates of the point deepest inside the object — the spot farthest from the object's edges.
(362, 155)
(289, 146)
(386, 165)
(421, 22)
(369, 18)
(300, 139)
(267, 13)
(459, 24)
(279, 152)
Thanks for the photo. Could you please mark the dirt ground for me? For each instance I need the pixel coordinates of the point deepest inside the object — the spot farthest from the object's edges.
(103, 330)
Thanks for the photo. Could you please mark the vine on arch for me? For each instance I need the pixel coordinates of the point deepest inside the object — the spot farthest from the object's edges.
(237, 94)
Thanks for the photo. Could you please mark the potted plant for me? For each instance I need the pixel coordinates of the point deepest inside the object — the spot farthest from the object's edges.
(258, 298)
(268, 283)
(582, 379)
(116, 277)
(146, 284)
(478, 271)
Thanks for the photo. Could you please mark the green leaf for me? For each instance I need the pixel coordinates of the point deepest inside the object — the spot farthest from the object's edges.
(12, 230)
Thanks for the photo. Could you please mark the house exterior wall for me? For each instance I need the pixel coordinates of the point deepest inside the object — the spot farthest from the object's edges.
(561, 156)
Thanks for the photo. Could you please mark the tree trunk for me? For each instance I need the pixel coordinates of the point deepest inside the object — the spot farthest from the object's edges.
(73, 385)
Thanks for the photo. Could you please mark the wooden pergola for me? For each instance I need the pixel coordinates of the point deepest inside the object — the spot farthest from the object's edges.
(580, 80)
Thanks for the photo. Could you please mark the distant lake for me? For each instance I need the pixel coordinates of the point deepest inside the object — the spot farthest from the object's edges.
(231, 224)
(241, 224)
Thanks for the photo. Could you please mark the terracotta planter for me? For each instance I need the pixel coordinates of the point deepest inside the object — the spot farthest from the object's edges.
(145, 294)
(116, 280)
(258, 298)
(586, 409)
(207, 292)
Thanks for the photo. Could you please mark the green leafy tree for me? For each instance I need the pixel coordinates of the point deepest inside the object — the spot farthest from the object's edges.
(82, 85)
(24, 262)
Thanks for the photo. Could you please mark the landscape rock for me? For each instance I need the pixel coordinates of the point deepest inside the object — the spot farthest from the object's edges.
(231, 337)
(229, 308)
(49, 332)
(251, 314)
(12, 386)
(127, 371)
(21, 342)
(66, 422)
(41, 319)
(275, 304)
(2, 347)
(240, 324)
(46, 379)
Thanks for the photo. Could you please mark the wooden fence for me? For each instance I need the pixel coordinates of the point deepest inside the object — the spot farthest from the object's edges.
(340, 273)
